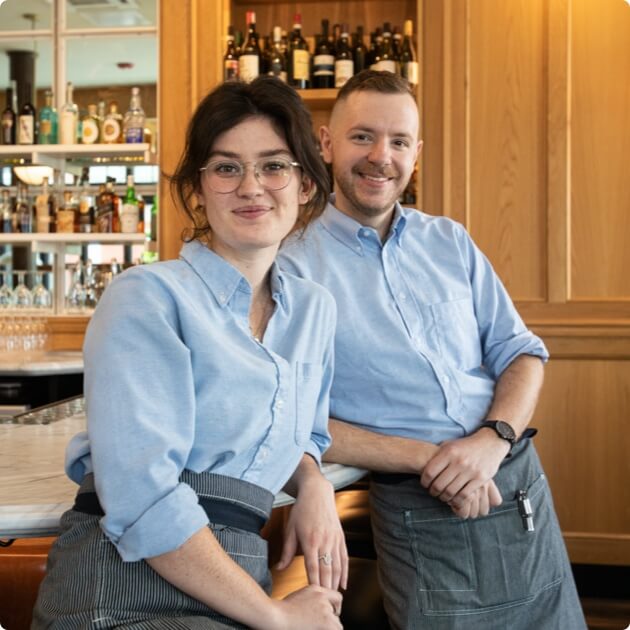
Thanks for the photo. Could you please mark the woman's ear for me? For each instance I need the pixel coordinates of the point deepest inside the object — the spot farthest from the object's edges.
(307, 190)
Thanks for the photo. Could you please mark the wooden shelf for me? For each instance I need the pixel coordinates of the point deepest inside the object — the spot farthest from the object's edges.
(319, 98)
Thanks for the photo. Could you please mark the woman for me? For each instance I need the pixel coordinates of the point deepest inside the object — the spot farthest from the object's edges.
(206, 383)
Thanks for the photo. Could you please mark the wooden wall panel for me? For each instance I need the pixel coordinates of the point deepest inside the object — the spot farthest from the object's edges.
(600, 221)
(583, 416)
(507, 182)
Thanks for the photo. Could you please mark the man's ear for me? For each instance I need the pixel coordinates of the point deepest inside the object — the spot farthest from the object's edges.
(307, 190)
(325, 142)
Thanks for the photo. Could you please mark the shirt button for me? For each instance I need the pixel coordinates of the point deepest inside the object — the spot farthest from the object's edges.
(222, 296)
(447, 380)
(279, 404)
(402, 296)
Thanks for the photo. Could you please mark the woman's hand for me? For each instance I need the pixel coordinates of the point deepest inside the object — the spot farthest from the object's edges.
(314, 524)
(310, 608)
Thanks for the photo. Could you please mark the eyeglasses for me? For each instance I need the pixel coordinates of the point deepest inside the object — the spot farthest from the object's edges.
(225, 176)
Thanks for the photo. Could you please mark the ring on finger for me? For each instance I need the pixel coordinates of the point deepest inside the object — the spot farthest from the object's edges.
(326, 558)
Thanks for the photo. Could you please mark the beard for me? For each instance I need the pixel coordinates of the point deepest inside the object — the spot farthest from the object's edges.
(361, 201)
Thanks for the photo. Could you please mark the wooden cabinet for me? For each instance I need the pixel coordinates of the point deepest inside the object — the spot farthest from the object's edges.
(526, 142)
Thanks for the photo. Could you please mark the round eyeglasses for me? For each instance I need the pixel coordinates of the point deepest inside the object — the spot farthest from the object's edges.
(225, 176)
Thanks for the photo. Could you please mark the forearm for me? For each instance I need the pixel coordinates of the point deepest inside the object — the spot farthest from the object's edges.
(202, 569)
(307, 470)
(516, 392)
(354, 446)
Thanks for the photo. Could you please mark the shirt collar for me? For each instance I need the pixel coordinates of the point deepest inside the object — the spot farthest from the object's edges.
(348, 230)
(222, 279)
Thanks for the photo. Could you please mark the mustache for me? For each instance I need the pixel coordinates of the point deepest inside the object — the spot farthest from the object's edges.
(365, 168)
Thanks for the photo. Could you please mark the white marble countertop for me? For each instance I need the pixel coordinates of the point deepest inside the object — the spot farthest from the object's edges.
(35, 492)
(41, 363)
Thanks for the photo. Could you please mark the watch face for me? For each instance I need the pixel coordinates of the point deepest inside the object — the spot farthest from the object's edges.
(505, 431)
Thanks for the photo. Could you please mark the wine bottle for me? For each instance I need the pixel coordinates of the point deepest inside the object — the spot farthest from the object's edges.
(129, 214)
(359, 53)
(278, 61)
(299, 56)
(249, 59)
(9, 115)
(26, 120)
(324, 61)
(230, 59)
(344, 63)
(386, 59)
(408, 57)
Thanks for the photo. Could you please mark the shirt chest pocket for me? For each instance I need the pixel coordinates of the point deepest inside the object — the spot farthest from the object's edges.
(308, 385)
(458, 333)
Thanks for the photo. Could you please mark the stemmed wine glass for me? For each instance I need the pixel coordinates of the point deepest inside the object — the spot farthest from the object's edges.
(23, 296)
(7, 296)
(42, 297)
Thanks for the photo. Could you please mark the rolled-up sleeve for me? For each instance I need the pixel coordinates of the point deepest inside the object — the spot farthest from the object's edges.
(503, 333)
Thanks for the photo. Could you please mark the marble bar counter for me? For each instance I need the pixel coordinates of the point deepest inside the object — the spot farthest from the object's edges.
(41, 363)
(34, 490)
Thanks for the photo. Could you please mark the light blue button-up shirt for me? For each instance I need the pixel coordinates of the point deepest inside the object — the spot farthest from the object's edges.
(425, 326)
(174, 380)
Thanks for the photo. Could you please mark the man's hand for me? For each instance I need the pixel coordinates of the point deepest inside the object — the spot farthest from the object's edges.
(462, 467)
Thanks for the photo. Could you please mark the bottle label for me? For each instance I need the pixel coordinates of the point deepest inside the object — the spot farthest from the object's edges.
(45, 127)
(89, 131)
(26, 129)
(230, 70)
(323, 65)
(410, 72)
(67, 128)
(129, 218)
(42, 224)
(105, 219)
(301, 62)
(344, 69)
(65, 220)
(248, 67)
(111, 131)
(388, 65)
(134, 135)
(7, 130)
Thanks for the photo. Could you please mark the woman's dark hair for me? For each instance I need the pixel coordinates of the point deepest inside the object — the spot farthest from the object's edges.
(225, 107)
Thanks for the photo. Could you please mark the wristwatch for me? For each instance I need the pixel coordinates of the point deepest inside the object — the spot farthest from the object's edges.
(503, 430)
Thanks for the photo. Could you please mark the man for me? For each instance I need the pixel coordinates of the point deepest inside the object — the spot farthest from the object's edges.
(436, 379)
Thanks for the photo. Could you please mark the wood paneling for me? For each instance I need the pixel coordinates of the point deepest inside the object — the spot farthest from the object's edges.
(600, 139)
(583, 416)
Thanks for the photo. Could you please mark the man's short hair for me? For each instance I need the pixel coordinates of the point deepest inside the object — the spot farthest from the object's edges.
(375, 81)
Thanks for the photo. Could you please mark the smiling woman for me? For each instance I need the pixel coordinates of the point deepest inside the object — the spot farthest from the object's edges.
(239, 355)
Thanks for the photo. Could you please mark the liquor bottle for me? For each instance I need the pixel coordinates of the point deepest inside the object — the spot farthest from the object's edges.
(278, 61)
(129, 213)
(265, 56)
(359, 53)
(101, 112)
(230, 59)
(68, 119)
(112, 125)
(9, 115)
(133, 122)
(344, 64)
(299, 56)
(324, 61)
(26, 120)
(374, 54)
(89, 126)
(408, 57)
(249, 59)
(23, 213)
(86, 203)
(386, 59)
(42, 216)
(47, 132)
(5, 212)
(67, 213)
(397, 40)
